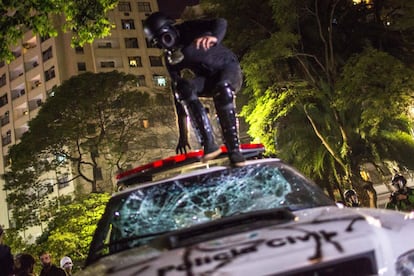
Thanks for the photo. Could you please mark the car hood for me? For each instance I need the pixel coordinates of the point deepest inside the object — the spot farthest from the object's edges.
(315, 238)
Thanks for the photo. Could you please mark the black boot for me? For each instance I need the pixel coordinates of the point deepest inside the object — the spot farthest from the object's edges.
(199, 117)
(229, 126)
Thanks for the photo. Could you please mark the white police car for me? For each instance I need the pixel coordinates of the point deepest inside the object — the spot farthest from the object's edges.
(261, 219)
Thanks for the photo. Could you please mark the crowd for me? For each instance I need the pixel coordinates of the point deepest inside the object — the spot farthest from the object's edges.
(23, 264)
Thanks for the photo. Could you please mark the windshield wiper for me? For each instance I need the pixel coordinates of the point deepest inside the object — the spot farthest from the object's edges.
(222, 227)
(116, 243)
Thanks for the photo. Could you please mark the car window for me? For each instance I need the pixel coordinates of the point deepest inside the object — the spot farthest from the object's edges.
(185, 202)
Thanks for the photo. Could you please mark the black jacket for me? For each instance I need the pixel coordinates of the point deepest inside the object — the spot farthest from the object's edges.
(201, 62)
(52, 270)
(6, 260)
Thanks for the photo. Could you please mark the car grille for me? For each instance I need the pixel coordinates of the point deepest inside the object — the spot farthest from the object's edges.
(357, 265)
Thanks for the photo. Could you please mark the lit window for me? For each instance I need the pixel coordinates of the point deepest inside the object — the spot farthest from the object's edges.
(128, 24)
(135, 61)
(160, 81)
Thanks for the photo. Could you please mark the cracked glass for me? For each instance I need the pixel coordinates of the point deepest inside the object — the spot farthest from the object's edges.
(141, 214)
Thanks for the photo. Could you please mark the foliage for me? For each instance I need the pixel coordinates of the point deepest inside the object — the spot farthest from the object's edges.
(93, 121)
(86, 19)
(70, 231)
(330, 82)
(15, 241)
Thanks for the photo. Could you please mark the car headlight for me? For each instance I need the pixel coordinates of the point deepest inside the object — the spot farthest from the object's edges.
(405, 264)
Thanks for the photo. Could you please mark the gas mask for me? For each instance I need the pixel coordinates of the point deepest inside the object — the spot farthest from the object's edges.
(167, 39)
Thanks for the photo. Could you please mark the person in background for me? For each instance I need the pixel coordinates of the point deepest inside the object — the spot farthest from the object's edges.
(66, 264)
(402, 198)
(6, 258)
(195, 45)
(351, 198)
(24, 265)
(48, 268)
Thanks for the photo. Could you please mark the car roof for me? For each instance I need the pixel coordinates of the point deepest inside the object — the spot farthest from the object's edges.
(179, 164)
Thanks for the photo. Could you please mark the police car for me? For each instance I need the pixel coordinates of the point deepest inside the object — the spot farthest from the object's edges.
(179, 216)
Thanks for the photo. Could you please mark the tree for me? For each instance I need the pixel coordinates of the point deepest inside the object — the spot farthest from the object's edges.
(91, 128)
(70, 231)
(330, 83)
(86, 19)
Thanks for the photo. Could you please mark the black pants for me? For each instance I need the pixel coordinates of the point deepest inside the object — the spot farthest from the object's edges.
(205, 86)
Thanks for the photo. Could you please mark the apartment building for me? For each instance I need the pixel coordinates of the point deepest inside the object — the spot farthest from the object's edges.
(42, 63)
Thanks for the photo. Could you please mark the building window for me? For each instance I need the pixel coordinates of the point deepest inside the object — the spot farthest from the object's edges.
(50, 73)
(155, 61)
(131, 42)
(159, 80)
(124, 6)
(97, 173)
(6, 139)
(47, 54)
(79, 50)
(5, 119)
(39, 102)
(104, 44)
(107, 64)
(36, 83)
(2, 63)
(128, 24)
(6, 161)
(149, 44)
(135, 61)
(144, 7)
(63, 181)
(141, 80)
(3, 100)
(3, 80)
(81, 66)
(51, 92)
(91, 129)
(17, 53)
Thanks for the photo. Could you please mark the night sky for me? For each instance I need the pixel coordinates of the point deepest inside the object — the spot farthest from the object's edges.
(174, 8)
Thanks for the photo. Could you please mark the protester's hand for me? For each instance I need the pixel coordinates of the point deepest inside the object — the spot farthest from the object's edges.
(182, 146)
(205, 42)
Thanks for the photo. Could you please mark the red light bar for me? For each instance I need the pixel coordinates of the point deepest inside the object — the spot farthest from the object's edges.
(180, 158)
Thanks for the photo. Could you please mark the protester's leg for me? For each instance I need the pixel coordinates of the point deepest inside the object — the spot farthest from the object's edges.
(225, 107)
(188, 95)
(227, 115)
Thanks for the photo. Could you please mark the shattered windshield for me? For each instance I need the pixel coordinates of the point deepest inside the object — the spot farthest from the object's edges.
(184, 202)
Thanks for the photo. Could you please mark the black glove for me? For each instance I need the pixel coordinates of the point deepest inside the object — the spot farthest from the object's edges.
(182, 145)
